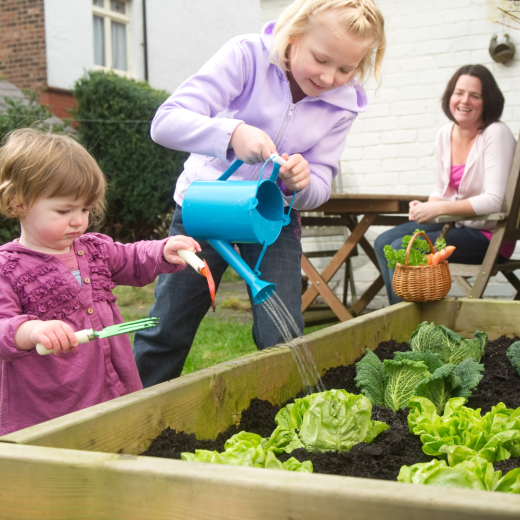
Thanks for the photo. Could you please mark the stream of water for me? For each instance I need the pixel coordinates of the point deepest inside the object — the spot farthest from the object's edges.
(302, 355)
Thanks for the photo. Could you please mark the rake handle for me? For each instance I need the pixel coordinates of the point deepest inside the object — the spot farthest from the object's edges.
(83, 336)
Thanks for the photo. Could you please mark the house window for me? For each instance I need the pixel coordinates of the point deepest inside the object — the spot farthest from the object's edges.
(111, 31)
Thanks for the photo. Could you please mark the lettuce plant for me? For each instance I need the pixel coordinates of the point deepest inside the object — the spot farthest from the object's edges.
(334, 420)
(249, 449)
(451, 347)
(462, 434)
(474, 474)
(393, 382)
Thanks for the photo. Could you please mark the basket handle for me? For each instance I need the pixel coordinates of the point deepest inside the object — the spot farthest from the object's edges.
(409, 248)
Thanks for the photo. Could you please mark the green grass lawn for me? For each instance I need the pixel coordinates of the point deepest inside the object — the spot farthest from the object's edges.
(218, 339)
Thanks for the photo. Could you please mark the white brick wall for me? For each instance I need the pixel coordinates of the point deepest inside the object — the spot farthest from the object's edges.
(390, 148)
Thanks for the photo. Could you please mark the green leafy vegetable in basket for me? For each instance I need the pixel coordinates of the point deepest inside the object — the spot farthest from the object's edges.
(450, 346)
(393, 382)
(475, 474)
(418, 253)
(334, 420)
(462, 434)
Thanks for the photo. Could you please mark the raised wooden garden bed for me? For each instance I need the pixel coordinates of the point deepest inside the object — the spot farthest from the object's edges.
(84, 465)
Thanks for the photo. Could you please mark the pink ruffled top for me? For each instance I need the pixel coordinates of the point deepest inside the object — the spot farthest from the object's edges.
(507, 248)
(38, 286)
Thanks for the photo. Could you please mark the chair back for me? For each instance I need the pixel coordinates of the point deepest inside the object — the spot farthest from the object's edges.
(511, 204)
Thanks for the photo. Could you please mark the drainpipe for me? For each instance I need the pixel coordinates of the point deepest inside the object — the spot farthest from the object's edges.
(145, 42)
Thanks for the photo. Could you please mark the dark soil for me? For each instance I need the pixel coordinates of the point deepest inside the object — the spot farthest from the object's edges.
(392, 449)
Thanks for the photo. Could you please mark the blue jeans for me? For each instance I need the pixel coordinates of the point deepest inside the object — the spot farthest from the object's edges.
(182, 300)
(471, 247)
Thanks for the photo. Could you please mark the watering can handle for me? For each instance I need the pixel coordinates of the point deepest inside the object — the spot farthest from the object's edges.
(231, 170)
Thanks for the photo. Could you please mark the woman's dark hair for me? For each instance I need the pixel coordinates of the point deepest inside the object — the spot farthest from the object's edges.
(492, 97)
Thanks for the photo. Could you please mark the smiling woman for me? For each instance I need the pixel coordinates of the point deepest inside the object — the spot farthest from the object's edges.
(474, 154)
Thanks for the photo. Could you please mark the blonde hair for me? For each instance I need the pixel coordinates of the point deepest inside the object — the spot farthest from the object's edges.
(35, 164)
(358, 17)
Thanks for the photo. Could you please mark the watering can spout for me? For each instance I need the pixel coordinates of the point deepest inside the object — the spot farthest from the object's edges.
(260, 290)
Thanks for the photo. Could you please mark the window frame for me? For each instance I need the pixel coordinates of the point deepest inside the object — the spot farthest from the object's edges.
(108, 16)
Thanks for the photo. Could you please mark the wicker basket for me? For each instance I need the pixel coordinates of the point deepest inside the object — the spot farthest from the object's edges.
(422, 283)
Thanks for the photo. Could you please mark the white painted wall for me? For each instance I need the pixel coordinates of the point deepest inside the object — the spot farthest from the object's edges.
(184, 34)
(390, 149)
(68, 40)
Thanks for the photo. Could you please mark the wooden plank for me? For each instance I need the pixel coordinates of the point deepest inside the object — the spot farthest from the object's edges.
(368, 295)
(356, 236)
(57, 484)
(360, 206)
(390, 220)
(325, 291)
(325, 221)
(495, 317)
(209, 401)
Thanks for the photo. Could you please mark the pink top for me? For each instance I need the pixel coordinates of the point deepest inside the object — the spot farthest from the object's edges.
(38, 286)
(457, 172)
(69, 259)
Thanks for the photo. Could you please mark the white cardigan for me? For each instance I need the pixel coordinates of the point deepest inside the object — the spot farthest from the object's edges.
(485, 175)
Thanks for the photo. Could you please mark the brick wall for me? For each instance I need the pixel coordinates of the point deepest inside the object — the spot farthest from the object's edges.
(22, 43)
(390, 148)
(59, 100)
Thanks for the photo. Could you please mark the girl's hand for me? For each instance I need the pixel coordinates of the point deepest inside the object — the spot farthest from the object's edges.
(295, 173)
(424, 211)
(251, 145)
(179, 242)
(54, 334)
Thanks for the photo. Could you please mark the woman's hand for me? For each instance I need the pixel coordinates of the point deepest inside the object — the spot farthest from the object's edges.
(179, 242)
(251, 145)
(54, 334)
(424, 211)
(295, 173)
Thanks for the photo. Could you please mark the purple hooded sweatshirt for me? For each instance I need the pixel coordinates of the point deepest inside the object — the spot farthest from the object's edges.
(240, 84)
(38, 286)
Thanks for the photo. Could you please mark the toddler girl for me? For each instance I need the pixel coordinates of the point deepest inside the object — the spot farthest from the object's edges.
(295, 89)
(55, 280)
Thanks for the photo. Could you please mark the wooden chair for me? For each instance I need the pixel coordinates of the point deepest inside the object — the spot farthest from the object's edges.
(507, 229)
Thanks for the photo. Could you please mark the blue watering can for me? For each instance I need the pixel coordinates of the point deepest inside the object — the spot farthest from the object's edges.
(246, 212)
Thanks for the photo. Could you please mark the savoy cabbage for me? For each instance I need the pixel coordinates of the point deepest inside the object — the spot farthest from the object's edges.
(450, 346)
(393, 382)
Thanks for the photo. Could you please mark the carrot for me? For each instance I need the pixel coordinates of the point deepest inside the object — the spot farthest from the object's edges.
(446, 252)
(436, 258)
(429, 258)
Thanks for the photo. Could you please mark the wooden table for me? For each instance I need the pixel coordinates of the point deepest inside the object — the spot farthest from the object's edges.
(344, 210)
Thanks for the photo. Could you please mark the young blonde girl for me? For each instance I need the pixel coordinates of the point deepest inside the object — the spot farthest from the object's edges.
(55, 280)
(295, 90)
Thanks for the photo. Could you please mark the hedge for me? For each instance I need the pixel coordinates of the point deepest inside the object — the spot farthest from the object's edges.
(114, 115)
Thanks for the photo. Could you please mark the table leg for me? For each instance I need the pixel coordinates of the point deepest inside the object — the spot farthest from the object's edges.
(356, 236)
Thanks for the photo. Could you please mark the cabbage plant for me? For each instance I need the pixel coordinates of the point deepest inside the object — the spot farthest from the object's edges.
(394, 382)
(450, 346)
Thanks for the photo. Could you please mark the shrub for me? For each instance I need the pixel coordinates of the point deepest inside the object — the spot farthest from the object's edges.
(114, 115)
(21, 114)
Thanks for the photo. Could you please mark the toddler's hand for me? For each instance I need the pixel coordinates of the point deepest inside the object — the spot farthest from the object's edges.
(295, 173)
(251, 145)
(54, 334)
(179, 242)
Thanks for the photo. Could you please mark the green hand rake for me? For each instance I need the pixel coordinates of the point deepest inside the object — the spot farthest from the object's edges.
(86, 335)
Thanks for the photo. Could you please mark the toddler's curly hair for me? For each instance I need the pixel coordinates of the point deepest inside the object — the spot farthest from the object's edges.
(35, 164)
